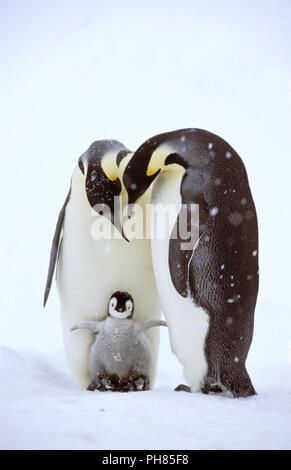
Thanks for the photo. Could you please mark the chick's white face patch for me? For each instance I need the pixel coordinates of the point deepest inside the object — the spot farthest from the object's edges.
(114, 311)
(112, 305)
(129, 306)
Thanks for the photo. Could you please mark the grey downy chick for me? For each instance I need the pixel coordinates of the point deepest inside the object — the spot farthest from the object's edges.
(120, 357)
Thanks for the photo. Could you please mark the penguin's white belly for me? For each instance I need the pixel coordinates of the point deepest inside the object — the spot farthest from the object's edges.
(89, 271)
(188, 324)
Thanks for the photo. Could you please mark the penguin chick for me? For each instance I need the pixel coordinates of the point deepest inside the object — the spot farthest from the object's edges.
(120, 358)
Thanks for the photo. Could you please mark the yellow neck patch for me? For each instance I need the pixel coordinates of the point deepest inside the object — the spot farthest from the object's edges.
(157, 161)
(108, 164)
(110, 168)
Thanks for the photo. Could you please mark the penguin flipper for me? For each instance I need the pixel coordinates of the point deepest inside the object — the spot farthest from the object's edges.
(145, 325)
(93, 326)
(55, 249)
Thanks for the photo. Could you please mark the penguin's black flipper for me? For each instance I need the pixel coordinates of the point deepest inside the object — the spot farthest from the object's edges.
(55, 248)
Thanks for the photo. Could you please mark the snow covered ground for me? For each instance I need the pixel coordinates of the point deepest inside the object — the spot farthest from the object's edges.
(41, 409)
(76, 71)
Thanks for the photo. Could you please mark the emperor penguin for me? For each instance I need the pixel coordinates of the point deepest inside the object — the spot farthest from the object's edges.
(120, 358)
(208, 287)
(94, 257)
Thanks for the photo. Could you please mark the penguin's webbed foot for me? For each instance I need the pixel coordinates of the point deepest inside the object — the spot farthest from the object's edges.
(104, 383)
(127, 386)
(211, 388)
(94, 385)
(112, 382)
(182, 388)
(216, 389)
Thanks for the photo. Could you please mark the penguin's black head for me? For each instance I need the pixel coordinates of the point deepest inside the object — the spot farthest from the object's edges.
(121, 305)
(151, 157)
(137, 176)
(99, 165)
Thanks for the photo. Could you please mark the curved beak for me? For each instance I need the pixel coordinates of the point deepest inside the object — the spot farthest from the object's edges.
(118, 225)
(114, 216)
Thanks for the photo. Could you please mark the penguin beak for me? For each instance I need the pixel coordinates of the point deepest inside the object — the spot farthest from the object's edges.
(136, 190)
(118, 225)
(130, 208)
(115, 219)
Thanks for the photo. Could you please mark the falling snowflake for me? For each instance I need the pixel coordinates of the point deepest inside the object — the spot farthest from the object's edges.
(93, 175)
(235, 218)
(214, 211)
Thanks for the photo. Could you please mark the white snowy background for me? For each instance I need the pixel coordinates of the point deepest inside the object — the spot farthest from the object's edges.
(76, 71)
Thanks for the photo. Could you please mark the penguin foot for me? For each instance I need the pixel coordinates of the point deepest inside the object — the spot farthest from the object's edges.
(104, 383)
(134, 383)
(205, 389)
(113, 383)
(183, 388)
(216, 389)
(94, 385)
(211, 388)
(127, 386)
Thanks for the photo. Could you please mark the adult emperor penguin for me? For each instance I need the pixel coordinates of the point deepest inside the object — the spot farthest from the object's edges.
(208, 291)
(89, 267)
